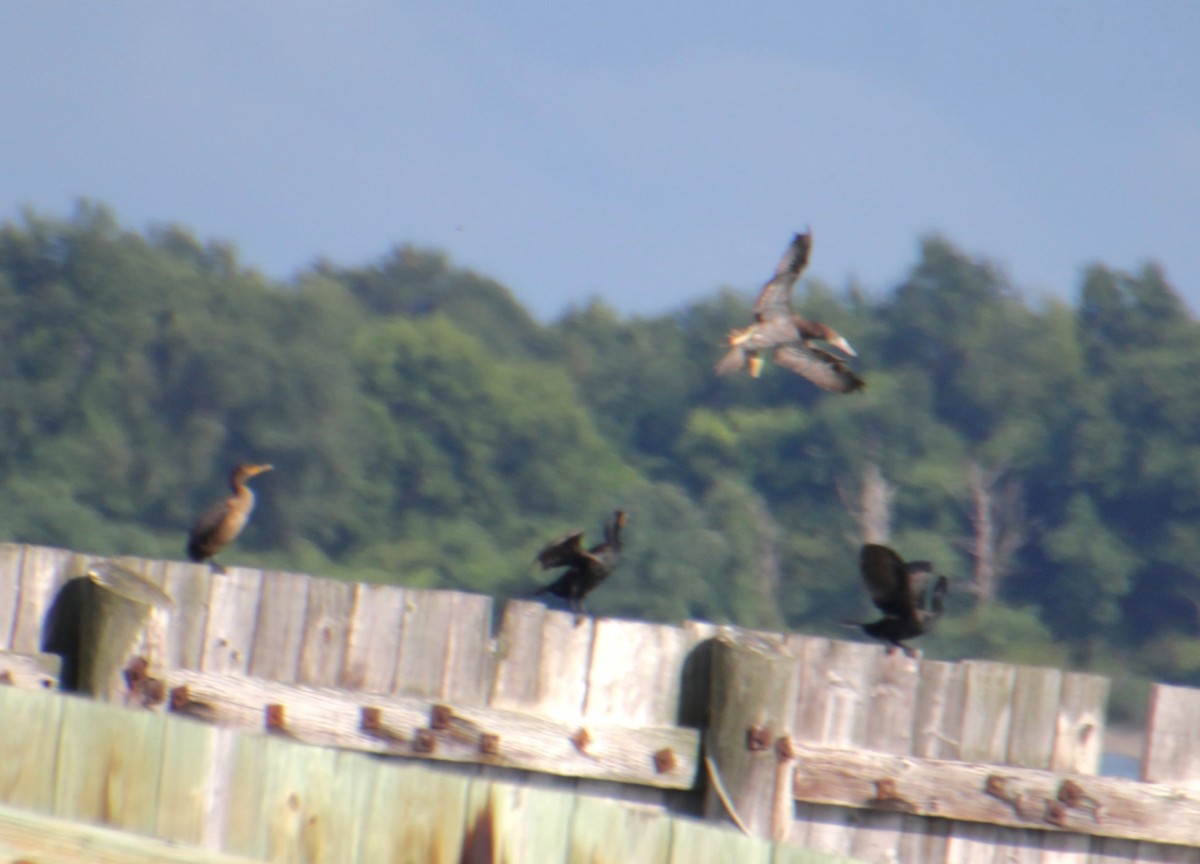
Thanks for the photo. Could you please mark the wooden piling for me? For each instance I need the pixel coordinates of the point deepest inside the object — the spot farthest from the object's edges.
(116, 609)
(752, 700)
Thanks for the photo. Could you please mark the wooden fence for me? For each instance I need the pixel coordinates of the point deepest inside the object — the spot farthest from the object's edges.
(846, 749)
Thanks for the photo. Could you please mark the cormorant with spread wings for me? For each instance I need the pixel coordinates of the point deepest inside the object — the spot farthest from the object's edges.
(901, 590)
(586, 568)
(777, 328)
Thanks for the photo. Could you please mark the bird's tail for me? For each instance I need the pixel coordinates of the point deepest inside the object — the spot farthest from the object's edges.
(733, 361)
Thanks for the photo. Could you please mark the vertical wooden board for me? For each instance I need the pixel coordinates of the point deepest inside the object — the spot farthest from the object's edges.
(518, 642)
(987, 710)
(971, 843)
(1057, 848)
(31, 726)
(937, 734)
(1109, 850)
(560, 669)
(1172, 735)
(298, 803)
(275, 650)
(374, 638)
(1079, 727)
(11, 555)
(1154, 853)
(1035, 708)
(605, 831)
(189, 586)
(109, 765)
(44, 571)
(356, 777)
(232, 613)
(938, 724)
(1018, 847)
(891, 719)
(694, 842)
(326, 627)
(527, 823)
(542, 661)
(987, 720)
(240, 824)
(444, 646)
(634, 675)
(416, 817)
(188, 781)
(782, 853)
(838, 678)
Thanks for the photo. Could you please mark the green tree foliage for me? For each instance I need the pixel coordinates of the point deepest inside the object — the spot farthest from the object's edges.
(427, 430)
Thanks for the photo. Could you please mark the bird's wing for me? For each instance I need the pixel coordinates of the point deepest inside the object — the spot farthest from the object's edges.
(563, 551)
(733, 361)
(775, 298)
(884, 573)
(820, 367)
(937, 596)
(203, 540)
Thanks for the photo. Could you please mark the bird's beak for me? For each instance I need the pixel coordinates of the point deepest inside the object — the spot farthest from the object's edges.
(840, 343)
(261, 469)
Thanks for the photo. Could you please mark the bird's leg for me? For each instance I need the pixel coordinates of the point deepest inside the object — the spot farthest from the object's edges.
(214, 567)
(754, 363)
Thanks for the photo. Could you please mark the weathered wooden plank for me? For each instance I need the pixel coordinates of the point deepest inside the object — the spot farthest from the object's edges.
(634, 676)
(44, 571)
(32, 724)
(326, 628)
(444, 649)
(695, 842)
(542, 659)
(938, 725)
(189, 586)
(1172, 736)
(890, 723)
(987, 710)
(608, 831)
(30, 671)
(373, 641)
(603, 750)
(1079, 727)
(956, 790)
(191, 775)
(838, 678)
(1035, 709)
(517, 823)
(232, 613)
(27, 837)
(298, 804)
(10, 581)
(108, 767)
(241, 825)
(279, 631)
(417, 816)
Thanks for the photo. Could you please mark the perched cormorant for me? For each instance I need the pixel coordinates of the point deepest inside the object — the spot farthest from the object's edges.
(222, 522)
(788, 336)
(902, 592)
(586, 568)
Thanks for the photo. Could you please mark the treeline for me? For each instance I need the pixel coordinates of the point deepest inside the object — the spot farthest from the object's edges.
(427, 430)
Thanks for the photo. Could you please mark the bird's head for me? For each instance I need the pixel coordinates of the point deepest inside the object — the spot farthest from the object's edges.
(249, 469)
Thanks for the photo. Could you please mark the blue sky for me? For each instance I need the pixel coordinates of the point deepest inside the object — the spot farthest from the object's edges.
(646, 153)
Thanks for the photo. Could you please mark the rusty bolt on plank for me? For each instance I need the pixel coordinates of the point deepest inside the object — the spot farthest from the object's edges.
(1056, 814)
(664, 761)
(6, 678)
(370, 722)
(1072, 795)
(758, 738)
(888, 797)
(1000, 787)
(425, 741)
(440, 717)
(581, 739)
(275, 719)
(135, 672)
(784, 748)
(489, 744)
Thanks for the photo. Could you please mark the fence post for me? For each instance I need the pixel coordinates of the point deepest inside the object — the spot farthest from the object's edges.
(747, 749)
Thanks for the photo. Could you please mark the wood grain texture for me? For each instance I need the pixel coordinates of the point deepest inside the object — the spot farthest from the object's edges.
(232, 614)
(373, 638)
(542, 661)
(326, 629)
(279, 629)
(607, 751)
